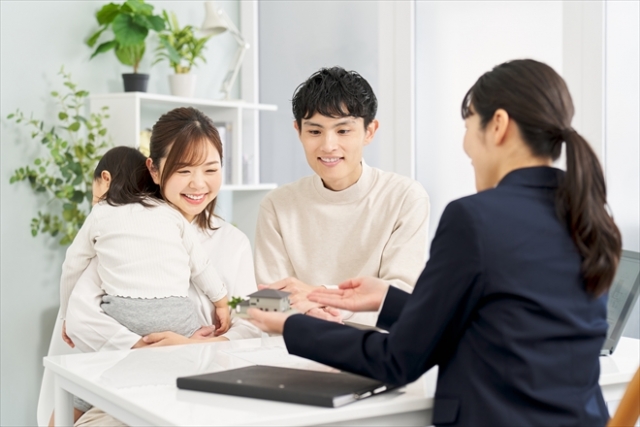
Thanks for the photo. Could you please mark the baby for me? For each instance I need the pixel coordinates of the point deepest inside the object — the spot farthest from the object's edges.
(147, 253)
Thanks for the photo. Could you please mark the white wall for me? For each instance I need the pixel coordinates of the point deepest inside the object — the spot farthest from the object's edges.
(583, 67)
(297, 38)
(622, 135)
(36, 39)
(456, 42)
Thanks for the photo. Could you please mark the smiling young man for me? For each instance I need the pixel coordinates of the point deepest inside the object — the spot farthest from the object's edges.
(348, 219)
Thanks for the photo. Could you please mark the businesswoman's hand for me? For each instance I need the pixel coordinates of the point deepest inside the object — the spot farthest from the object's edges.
(272, 323)
(359, 294)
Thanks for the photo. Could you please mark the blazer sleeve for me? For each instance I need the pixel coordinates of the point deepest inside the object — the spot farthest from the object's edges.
(392, 307)
(431, 321)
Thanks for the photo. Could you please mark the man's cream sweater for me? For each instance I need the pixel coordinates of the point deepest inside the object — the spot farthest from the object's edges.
(377, 227)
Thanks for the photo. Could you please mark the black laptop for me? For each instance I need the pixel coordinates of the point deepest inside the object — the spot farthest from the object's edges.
(622, 297)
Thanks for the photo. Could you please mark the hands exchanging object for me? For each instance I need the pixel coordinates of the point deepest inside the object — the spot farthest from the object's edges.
(299, 299)
(359, 294)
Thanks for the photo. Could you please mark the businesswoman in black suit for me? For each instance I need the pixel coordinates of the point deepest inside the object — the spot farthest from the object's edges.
(510, 305)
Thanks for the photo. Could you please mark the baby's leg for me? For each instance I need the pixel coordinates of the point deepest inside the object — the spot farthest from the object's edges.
(145, 316)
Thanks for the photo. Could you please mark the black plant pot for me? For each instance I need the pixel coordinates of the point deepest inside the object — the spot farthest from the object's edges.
(134, 82)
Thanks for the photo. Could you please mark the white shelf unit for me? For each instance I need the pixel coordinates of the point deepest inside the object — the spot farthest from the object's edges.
(238, 201)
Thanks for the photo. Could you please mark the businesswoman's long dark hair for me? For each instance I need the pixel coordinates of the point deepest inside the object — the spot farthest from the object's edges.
(538, 100)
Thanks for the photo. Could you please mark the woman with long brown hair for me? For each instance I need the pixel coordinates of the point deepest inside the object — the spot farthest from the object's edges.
(185, 162)
(510, 305)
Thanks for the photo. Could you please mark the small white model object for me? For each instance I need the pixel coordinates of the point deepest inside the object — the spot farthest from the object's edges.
(265, 300)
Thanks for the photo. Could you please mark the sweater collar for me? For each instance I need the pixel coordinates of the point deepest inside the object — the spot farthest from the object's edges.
(539, 176)
(350, 194)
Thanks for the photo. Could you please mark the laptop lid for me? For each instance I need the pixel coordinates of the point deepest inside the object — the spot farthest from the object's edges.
(329, 389)
(622, 297)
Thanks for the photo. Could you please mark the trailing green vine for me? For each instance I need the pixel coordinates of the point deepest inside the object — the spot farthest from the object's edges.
(75, 145)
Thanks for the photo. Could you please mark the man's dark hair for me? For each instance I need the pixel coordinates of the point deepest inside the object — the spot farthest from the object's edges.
(334, 92)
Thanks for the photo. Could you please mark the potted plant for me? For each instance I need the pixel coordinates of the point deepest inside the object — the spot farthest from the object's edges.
(130, 23)
(182, 49)
(74, 145)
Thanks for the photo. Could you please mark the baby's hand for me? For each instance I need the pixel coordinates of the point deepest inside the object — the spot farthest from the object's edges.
(223, 320)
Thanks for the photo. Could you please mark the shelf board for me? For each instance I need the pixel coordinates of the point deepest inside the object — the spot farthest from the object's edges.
(252, 187)
(179, 100)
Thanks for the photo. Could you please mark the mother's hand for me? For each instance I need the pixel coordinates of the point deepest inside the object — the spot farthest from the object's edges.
(359, 294)
(160, 339)
(65, 337)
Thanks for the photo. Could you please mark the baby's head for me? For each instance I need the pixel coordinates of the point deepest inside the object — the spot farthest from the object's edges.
(122, 177)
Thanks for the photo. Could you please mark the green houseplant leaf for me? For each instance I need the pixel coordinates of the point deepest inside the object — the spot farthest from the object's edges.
(139, 7)
(107, 13)
(128, 32)
(65, 174)
(128, 55)
(179, 46)
(94, 38)
(130, 24)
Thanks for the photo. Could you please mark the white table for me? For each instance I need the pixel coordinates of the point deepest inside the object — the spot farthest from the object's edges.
(138, 387)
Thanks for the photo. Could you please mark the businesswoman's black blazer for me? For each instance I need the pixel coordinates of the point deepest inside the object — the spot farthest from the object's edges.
(500, 307)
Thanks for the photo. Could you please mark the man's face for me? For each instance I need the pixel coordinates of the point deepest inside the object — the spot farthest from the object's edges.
(333, 147)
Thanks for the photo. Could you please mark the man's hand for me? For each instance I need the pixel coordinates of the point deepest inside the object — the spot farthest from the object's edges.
(359, 294)
(65, 337)
(272, 323)
(298, 290)
(290, 284)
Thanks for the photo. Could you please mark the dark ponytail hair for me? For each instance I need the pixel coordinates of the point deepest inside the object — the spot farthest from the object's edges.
(131, 181)
(181, 137)
(538, 100)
